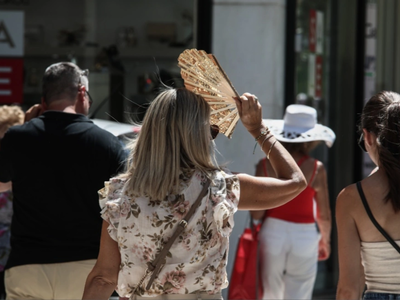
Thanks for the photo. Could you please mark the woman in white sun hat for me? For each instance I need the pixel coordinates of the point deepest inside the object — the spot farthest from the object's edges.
(290, 243)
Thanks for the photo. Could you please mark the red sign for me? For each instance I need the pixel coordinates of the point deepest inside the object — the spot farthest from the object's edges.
(312, 34)
(11, 80)
(318, 76)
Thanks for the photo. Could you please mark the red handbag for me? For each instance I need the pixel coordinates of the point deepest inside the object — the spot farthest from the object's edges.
(245, 280)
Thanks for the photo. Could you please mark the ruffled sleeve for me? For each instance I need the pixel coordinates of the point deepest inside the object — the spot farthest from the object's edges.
(225, 192)
(110, 204)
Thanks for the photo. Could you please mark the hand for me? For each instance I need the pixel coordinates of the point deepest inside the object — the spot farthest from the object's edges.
(324, 250)
(250, 111)
(33, 112)
(3, 130)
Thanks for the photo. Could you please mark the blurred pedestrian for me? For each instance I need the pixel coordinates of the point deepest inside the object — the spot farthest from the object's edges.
(10, 115)
(290, 242)
(360, 241)
(56, 161)
(171, 164)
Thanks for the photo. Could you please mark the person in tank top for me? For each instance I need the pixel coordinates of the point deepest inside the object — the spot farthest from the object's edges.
(367, 261)
(291, 243)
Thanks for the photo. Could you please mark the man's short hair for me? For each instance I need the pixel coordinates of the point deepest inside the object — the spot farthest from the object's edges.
(61, 81)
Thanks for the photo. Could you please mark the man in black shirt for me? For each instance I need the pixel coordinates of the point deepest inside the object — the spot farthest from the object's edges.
(56, 162)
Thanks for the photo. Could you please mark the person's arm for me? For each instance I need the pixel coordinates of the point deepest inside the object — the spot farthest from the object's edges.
(5, 186)
(33, 112)
(102, 280)
(324, 219)
(349, 246)
(266, 192)
(258, 214)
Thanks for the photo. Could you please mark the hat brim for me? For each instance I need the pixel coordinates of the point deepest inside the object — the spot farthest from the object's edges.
(290, 134)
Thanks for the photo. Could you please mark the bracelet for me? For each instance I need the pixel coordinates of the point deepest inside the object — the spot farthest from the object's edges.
(266, 139)
(270, 148)
(263, 133)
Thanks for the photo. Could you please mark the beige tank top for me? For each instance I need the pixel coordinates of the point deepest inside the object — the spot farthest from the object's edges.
(381, 266)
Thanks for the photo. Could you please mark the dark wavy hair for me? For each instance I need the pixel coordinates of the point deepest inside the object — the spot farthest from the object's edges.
(381, 116)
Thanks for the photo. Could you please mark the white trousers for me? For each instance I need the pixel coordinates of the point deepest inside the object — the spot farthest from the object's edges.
(289, 257)
(48, 281)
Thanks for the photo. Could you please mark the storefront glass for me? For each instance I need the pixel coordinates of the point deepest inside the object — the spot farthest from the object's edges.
(128, 47)
(312, 65)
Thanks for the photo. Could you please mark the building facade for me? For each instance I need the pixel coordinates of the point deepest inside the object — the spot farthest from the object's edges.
(329, 54)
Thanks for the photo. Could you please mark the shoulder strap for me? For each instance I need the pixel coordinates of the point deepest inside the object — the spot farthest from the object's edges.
(155, 266)
(313, 174)
(364, 201)
(301, 160)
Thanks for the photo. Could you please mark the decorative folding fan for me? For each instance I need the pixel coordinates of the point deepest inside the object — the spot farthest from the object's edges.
(203, 75)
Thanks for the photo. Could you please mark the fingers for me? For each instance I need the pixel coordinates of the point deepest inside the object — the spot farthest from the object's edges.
(250, 111)
(322, 257)
(249, 99)
(323, 253)
(249, 103)
(238, 105)
(33, 112)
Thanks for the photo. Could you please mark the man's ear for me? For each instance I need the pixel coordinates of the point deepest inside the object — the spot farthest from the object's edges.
(81, 88)
(81, 92)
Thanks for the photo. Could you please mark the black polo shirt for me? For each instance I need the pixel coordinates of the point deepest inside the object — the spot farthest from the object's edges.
(57, 163)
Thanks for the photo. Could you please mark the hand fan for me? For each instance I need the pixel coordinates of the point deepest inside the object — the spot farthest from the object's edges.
(203, 75)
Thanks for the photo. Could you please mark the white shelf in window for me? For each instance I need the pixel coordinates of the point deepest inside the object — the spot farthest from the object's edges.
(78, 51)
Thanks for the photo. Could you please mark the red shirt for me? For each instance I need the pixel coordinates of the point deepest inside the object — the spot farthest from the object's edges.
(301, 208)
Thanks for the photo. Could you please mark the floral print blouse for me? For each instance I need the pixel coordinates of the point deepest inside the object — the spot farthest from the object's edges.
(196, 262)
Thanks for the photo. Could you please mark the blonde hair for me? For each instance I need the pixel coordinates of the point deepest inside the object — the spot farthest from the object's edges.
(175, 135)
(11, 115)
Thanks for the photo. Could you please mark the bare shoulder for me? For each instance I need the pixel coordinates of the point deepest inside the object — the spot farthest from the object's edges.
(320, 167)
(320, 170)
(347, 212)
(347, 199)
(349, 192)
(320, 180)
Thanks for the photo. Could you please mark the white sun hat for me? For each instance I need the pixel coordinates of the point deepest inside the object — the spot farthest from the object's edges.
(300, 125)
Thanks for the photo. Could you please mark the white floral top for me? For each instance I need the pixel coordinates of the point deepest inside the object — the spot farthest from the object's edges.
(197, 260)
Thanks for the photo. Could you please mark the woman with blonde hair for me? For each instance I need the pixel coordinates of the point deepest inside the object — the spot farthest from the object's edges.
(368, 212)
(10, 115)
(173, 181)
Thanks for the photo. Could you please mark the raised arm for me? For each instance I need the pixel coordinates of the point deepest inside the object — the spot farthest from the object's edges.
(258, 214)
(33, 112)
(258, 193)
(5, 186)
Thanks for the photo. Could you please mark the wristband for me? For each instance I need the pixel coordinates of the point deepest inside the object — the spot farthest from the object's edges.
(270, 148)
